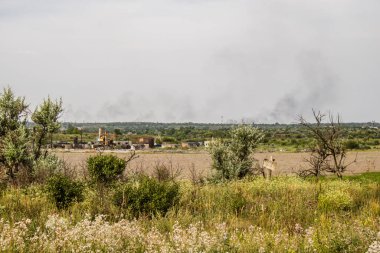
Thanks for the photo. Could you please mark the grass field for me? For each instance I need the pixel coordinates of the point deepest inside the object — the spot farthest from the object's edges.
(286, 214)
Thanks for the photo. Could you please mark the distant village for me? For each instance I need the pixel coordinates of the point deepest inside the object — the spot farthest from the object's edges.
(107, 141)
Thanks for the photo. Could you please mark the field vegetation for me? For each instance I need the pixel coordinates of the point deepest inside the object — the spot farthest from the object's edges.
(286, 214)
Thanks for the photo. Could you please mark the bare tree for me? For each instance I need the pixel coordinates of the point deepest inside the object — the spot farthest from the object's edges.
(328, 153)
(196, 175)
(165, 171)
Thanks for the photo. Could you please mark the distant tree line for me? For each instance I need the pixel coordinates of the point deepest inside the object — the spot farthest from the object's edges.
(292, 137)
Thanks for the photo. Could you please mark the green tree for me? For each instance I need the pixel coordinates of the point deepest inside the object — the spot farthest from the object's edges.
(15, 145)
(13, 112)
(16, 151)
(46, 118)
(13, 134)
(117, 131)
(72, 130)
(233, 157)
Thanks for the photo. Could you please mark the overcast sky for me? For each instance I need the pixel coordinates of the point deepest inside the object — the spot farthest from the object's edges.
(194, 60)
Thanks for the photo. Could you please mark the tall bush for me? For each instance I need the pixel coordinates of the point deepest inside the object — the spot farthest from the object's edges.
(64, 191)
(233, 157)
(46, 167)
(147, 196)
(16, 152)
(16, 141)
(105, 169)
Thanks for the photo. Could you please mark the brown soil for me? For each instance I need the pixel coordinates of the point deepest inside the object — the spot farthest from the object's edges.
(200, 162)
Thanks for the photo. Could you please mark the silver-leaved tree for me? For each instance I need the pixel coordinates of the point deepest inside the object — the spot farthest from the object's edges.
(16, 140)
(233, 157)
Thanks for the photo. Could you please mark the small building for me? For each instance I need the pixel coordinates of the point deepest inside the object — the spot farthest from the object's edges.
(190, 144)
(208, 143)
(68, 146)
(123, 144)
(59, 144)
(139, 146)
(147, 140)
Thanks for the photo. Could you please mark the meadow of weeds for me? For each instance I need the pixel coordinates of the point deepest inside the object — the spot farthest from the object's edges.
(286, 214)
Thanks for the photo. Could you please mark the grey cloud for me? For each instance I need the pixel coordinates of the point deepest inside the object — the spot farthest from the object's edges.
(76, 114)
(317, 89)
(185, 60)
(148, 107)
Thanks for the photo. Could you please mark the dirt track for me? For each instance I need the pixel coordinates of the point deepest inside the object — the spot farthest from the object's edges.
(201, 161)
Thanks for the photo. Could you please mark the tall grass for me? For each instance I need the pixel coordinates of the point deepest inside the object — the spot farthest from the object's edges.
(286, 214)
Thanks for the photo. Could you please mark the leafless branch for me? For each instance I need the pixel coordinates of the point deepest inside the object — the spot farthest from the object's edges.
(329, 153)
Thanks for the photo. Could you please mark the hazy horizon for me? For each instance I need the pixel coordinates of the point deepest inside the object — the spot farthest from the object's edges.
(265, 61)
(232, 122)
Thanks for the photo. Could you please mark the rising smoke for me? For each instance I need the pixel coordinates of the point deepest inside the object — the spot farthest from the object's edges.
(132, 106)
(317, 89)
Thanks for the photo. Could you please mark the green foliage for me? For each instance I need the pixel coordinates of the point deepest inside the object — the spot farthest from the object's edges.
(364, 177)
(46, 118)
(15, 151)
(72, 130)
(281, 215)
(47, 114)
(335, 199)
(168, 139)
(147, 196)
(15, 145)
(232, 158)
(236, 201)
(351, 144)
(45, 167)
(278, 137)
(223, 161)
(105, 169)
(32, 202)
(64, 191)
(13, 112)
(117, 131)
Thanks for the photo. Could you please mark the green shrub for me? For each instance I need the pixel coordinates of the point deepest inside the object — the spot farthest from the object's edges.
(147, 196)
(64, 191)
(335, 200)
(232, 158)
(105, 168)
(45, 167)
(351, 144)
(236, 201)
